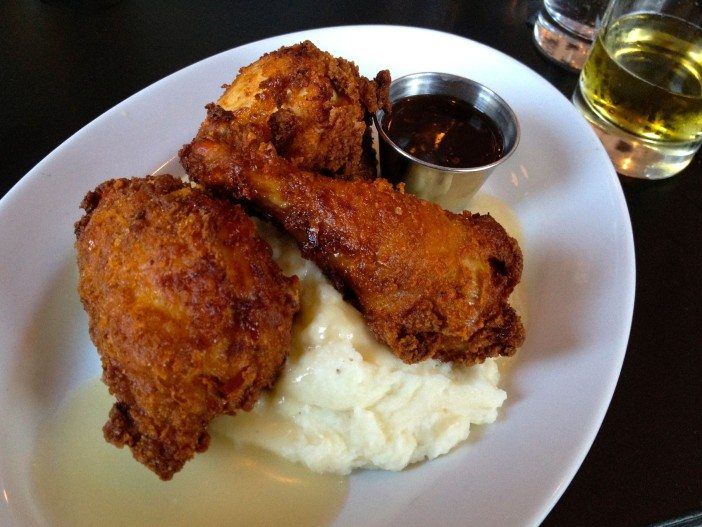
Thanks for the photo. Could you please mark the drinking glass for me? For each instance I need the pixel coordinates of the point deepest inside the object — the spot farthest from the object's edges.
(641, 87)
(564, 29)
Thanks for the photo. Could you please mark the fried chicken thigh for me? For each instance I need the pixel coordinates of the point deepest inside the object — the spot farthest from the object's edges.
(190, 315)
(314, 108)
(430, 283)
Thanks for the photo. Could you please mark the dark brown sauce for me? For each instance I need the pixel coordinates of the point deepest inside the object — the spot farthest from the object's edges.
(445, 131)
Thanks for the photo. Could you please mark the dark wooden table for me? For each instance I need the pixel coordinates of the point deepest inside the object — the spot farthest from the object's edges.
(63, 63)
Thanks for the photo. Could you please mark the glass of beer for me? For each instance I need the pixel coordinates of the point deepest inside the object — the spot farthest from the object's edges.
(641, 86)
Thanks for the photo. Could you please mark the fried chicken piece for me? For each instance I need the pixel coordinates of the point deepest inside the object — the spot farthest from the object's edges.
(429, 283)
(190, 315)
(314, 108)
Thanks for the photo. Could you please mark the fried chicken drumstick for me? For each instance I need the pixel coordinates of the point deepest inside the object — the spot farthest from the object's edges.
(429, 283)
(314, 108)
(190, 315)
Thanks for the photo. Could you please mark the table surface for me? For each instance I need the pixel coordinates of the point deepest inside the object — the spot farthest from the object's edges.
(63, 63)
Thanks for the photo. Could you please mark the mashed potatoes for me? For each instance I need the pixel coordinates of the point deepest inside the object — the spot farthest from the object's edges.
(344, 401)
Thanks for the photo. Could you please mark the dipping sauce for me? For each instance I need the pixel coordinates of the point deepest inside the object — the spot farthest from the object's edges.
(445, 131)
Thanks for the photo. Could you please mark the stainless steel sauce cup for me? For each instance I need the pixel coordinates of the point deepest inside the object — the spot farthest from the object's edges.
(450, 187)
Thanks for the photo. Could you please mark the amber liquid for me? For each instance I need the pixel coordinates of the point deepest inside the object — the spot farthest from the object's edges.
(444, 131)
(644, 74)
(78, 479)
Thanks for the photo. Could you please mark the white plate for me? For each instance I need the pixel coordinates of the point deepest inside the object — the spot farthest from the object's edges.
(579, 281)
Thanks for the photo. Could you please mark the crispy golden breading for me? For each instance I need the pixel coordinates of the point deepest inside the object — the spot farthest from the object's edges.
(314, 108)
(429, 283)
(190, 315)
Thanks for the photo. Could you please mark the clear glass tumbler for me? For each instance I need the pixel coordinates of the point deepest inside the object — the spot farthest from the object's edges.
(564, 29)
(641, 87)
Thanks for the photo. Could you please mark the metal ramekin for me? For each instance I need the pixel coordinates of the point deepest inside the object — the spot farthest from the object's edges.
(450, 187)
